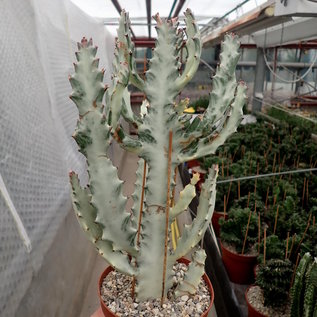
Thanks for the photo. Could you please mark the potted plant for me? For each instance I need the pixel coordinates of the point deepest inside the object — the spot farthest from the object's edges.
(136, 243)
(239, 234)
(269, 297)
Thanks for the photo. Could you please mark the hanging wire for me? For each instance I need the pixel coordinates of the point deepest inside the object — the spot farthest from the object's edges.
(304, 170)
(290, 81)
(272, 70)
(206, 64)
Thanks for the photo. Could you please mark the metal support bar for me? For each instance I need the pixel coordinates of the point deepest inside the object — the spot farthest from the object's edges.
(179, 8)
(259, 80)
(172, 8)
(148, 14)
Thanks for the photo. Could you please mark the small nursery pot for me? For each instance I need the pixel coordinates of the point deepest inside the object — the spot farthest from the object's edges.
(215, 221)
(192, 163)
(239, 267)
(252, 312)
(108, 313)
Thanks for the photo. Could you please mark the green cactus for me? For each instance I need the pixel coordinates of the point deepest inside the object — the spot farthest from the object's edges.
(298, 286)
(304, 290)
(101, 207)
(274, 280)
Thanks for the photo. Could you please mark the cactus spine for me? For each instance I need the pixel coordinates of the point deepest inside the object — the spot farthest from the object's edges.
(101, 206)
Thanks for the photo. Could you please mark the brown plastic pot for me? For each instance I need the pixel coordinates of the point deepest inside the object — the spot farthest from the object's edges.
(215, 221)
(252, 312)
(239, 267)
(108, 313)
(192, 163)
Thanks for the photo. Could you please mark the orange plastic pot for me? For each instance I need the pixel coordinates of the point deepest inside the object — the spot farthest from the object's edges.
(252, 312)
(215, 221)
(108, 313)
(239, 267)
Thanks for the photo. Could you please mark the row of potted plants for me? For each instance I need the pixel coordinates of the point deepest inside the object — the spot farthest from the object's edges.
(270, 221)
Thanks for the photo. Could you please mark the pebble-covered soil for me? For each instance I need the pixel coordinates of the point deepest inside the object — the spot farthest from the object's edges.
(255, 297)
(116, 293)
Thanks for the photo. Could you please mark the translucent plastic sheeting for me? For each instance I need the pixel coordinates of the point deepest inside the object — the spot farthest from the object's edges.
(37, 45)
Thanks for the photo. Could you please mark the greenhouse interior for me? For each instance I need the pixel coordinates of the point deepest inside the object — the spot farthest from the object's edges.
(158, 158)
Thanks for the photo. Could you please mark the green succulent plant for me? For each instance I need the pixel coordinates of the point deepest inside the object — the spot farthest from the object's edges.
(274, 280)
(166, 138)
(304, 289)
(234, 228)
(275, 249)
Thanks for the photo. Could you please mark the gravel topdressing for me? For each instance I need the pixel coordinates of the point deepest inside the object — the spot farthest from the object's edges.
(256, 299)
(116, 294)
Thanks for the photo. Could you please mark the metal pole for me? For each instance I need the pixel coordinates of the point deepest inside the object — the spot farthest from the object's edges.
(179, 8)
(259, 80)
(148, 13)
(172, 8)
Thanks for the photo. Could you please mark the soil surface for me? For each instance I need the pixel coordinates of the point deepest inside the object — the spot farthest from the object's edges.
(116, 293)
(256, 299)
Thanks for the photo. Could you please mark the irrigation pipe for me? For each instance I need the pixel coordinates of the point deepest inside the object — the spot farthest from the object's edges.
(267, 175)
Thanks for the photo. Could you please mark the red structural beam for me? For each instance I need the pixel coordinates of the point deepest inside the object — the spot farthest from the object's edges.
(144, 42)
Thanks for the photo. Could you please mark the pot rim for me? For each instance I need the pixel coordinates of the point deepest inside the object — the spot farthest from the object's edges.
(241, 256)
(181, 260)
(248, 303)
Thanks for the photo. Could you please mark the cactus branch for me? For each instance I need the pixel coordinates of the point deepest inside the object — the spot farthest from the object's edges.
(185, 197)
(86, 215)
(193, 47)
(193, 275)
(207, 146)
(193, 233)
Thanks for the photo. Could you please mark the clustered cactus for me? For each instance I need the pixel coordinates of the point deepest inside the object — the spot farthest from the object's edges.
(234, 228)
(304, 290)
(132, 242)
(274, 279)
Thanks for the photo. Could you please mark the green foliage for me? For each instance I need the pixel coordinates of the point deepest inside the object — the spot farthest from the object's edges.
(274, 279)
(292, 119)
(275, 249)
(234, 228)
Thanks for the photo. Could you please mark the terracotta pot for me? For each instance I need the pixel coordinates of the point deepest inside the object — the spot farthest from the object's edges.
(192, 163)
(252, 312)
(108, 313)
(215, 221)
(239, 267)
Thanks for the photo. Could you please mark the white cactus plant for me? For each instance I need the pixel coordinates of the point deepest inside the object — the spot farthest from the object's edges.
(137, 243)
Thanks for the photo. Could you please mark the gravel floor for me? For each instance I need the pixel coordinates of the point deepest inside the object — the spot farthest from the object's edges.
(116, 293)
